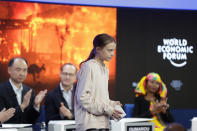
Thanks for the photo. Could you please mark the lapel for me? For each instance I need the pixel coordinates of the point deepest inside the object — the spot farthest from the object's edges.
(11, 95)
(73, 94)
(59, 94)
(24, 91)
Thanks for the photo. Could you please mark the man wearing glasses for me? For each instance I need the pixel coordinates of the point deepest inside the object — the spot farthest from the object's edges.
(59, 102)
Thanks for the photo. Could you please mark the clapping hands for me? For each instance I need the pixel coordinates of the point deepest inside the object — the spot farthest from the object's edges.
(39, 97)
(6, 114)
(161, 106)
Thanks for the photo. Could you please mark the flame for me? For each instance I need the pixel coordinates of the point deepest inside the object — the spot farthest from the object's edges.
(24, 10)
(38, 22)
(16, 49)
(56, 28)
(25, 45)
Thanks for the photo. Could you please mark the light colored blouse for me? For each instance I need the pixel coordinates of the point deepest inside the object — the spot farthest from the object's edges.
(93, 107)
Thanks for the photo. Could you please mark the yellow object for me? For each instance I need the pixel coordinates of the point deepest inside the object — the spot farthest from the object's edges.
(141, 90)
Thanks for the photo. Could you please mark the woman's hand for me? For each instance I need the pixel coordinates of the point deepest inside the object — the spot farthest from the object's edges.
(161, 106)
(118, 103)
(116, 114)
(157, 107)
(163, 101)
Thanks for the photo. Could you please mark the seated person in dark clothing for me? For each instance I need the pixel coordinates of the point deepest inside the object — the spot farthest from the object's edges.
(15, 94)
(59, 102)
(151, 101)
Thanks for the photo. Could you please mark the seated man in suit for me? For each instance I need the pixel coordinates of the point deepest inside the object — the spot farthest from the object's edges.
(59, 102)
(14, 94)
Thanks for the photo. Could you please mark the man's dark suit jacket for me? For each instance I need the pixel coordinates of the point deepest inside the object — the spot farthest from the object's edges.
(52, 104)
(8, 99)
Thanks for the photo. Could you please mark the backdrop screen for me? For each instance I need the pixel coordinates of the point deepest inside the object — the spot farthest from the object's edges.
(48, 35)
(158, 41)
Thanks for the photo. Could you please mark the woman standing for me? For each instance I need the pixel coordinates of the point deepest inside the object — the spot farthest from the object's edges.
(93, 108)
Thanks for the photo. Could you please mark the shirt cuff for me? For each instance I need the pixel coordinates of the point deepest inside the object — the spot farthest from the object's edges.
(37, 108)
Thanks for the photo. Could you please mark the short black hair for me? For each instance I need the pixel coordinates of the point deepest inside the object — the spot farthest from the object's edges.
(68, 64)
(11, 61)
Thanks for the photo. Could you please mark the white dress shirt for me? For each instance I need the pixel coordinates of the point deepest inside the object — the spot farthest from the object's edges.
(67, 96)
(17, 91)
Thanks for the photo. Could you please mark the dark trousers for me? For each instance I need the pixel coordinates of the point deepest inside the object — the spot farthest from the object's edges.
(97, 129)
